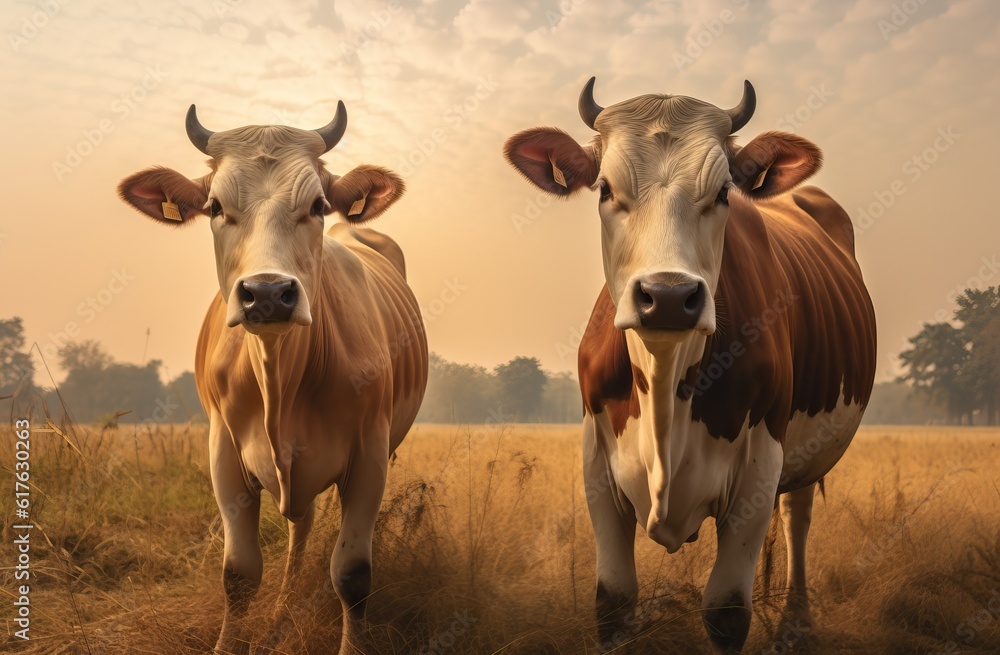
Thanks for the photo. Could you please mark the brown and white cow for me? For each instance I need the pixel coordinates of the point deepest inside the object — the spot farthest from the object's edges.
(312, 360)
(731, 353)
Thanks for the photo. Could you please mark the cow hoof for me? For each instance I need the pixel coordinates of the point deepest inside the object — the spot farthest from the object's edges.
(794, 633)
(727, 626)
(614, 616)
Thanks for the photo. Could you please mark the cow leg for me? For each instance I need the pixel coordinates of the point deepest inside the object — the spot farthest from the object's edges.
(351, 563)
(617, 587)
(796, 515)
(795, 630)
(242, 562)
(298, 532)
(728, 595)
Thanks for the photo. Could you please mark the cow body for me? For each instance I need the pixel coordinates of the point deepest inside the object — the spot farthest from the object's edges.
(312, 359)
(731, 353)
(366, 346)
(785, 381)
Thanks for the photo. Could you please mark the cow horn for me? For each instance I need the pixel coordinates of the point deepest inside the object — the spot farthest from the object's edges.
(741, 113)
(334, 130)
(199, 135)
(589, 110)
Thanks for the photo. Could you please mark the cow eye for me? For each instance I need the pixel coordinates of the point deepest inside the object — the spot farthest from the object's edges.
(723, 197)
(215, 208)
(605, 192)
(318, 207)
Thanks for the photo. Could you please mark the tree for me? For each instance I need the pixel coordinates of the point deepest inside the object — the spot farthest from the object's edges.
(979, 312)
(95, 386)
(520, 383)
(898, 403)
(936, 363)
(17, 370)
(184, 391)
(561, 402)
(457, 393)
(89, 355)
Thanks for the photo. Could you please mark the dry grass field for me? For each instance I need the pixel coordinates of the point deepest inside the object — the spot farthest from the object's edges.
(484, 546)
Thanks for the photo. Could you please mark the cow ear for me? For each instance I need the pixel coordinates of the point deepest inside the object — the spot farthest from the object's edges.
(552, 160)
(363, 193)
(165, 195)
(773, 163)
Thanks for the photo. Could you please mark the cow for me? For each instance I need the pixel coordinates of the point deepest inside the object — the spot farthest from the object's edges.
(311, 363)
(731, 352)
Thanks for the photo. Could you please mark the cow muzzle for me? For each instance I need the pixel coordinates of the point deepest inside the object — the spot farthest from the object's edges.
(268, 302)
(675, 302)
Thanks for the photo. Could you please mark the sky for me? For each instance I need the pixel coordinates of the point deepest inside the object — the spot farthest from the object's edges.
(902, 96)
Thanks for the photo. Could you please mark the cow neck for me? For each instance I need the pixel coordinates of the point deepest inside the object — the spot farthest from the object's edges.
(657, 370)
(279, 363)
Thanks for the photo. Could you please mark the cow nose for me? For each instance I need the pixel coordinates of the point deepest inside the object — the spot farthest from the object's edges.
(668, 301)
(268, 301)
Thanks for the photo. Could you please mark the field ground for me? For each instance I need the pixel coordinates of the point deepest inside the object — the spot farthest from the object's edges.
(484, 546)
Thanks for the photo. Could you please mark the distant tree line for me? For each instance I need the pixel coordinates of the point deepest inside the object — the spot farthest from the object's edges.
(96, 388)
(954, 363)
(516, 392)
(898, 403)
(950, 375)
(99, 389)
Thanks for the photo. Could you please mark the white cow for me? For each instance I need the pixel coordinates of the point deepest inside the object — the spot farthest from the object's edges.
(731, 353)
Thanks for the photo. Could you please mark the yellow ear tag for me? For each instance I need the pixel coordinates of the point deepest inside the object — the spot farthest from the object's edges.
(760, 179)
(557, 175)
(357, 207)
(170, 211)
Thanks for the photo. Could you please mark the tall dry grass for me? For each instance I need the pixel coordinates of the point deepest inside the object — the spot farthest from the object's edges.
(483, 545)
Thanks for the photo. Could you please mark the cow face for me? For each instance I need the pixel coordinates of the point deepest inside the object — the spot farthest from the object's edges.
(266, 198)
(664, 167)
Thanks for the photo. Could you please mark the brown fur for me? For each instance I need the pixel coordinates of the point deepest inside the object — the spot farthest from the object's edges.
(532, 153)
(379, 187)
(824, 340)
(147, 189)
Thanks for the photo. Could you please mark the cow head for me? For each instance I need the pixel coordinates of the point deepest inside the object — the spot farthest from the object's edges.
(664, 167)
(266, 198)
